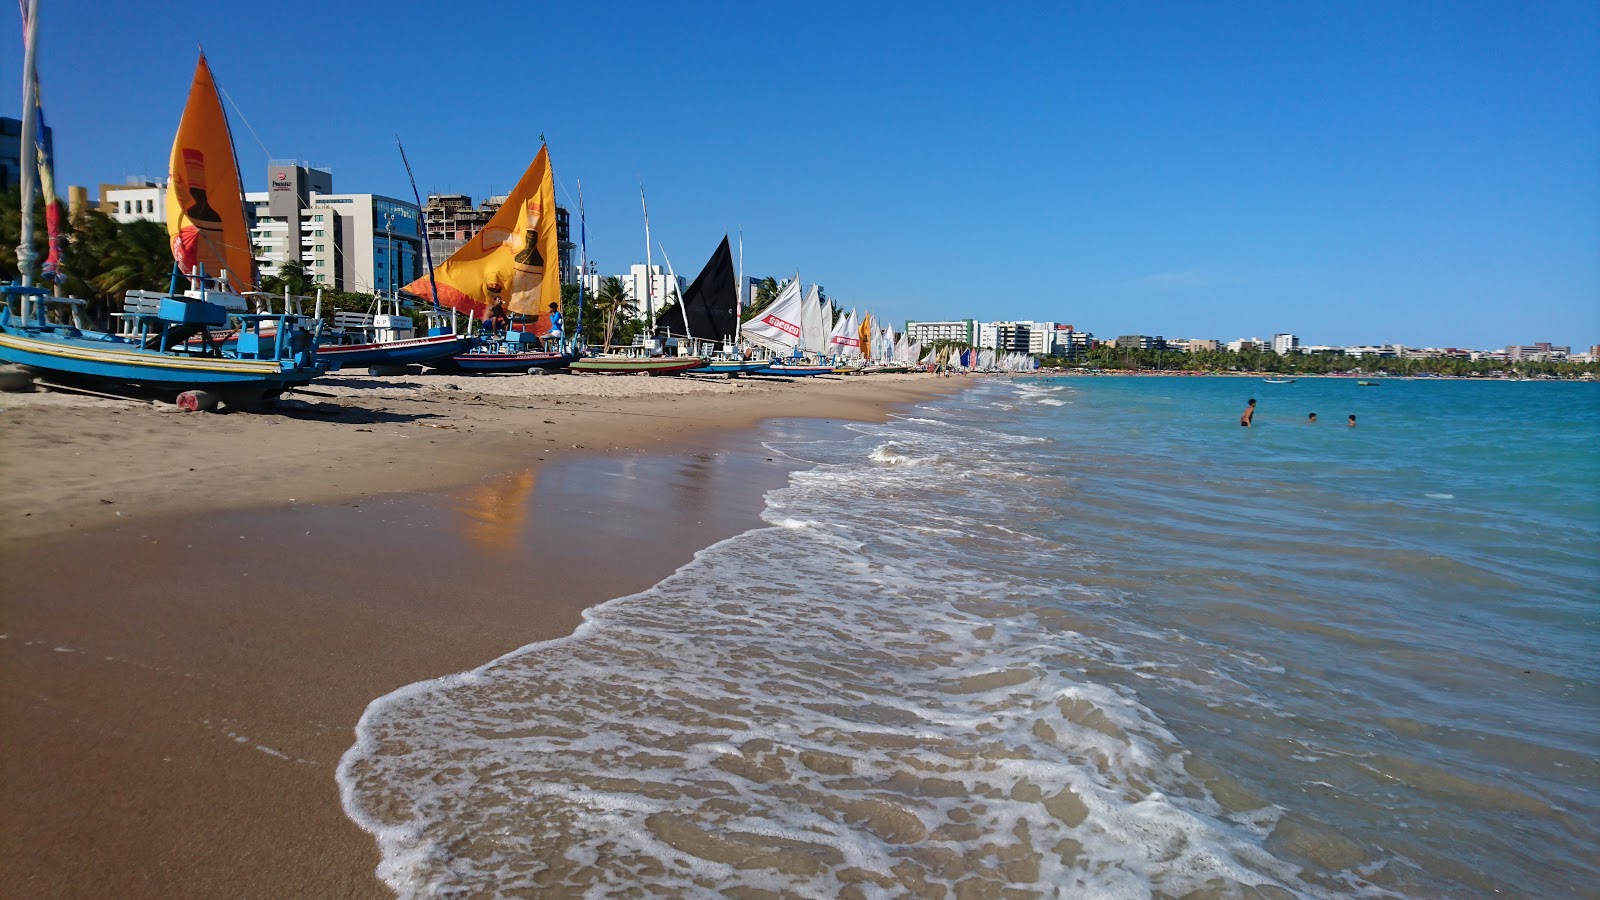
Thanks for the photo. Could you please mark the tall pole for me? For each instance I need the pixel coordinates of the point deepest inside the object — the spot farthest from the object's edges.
(649, 278)
(583, 260)
(682, 307)
(427, 250)
(29, 170)
(738, 301)
(388, 230)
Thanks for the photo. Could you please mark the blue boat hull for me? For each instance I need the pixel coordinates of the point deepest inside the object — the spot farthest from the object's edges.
(510, 362)
(794, 371)
(732, 367)
(414, 351)
(88, 354)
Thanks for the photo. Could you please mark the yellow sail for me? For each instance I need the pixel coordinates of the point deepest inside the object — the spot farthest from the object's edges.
(513, 260)
(205, 211)
(865, 333)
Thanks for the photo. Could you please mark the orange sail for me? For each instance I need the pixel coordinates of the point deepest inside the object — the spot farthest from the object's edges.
(205, 211)
(865, 333)
(512, 261)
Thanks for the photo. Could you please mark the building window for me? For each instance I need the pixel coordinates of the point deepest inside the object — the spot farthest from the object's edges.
(317, 233)
(316, 218)
(320, 263)
(317, 248)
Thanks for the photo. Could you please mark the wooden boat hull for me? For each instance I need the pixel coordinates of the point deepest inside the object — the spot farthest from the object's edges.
(411, 351)
(486, 363)
(624, 365)
(107, 357)
(794, 371)
(733, 367)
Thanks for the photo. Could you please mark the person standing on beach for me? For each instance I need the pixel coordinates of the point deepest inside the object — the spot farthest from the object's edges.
(1311, 419)
(1352, 422)
(1249, 413)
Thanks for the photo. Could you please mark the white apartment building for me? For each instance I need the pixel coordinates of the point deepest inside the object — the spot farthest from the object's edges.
(352, 242)
(961, 331)
(1285, 344)
(1037, 338)
(652, 294)
(140, 198)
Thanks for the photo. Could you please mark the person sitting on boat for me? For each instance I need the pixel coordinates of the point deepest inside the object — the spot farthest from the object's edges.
(495, 321)
(554, 337)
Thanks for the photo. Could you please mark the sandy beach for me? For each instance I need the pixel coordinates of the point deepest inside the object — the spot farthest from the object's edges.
(198, 607)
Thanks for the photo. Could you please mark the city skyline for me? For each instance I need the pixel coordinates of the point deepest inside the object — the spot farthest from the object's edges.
(1413, 175)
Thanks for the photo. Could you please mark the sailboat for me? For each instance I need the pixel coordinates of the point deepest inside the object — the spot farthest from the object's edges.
(508, 268)
(643, 357)
(709, 311)
(211, 247)
(387, 337)
(780, 329)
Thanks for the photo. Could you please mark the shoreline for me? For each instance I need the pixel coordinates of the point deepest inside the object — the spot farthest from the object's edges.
(175, 738)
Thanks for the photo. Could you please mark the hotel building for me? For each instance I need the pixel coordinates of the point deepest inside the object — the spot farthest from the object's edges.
(349, 242)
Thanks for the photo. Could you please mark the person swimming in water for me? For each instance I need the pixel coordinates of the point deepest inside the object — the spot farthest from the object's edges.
(1352, 422)
(1249, 413)
(1311, 419)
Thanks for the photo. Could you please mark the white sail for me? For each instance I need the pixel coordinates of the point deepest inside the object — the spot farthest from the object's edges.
(779, 327)
(815, 337)
(826, 343)
(845, 341)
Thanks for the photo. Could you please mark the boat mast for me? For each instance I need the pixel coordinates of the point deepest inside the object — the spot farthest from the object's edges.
(682, 306)
(738, 295)
(583, 262)
(28, 171)
(427, 249)
(649, 278)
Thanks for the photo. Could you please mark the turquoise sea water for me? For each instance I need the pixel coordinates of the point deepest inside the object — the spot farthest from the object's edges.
(1066, 637)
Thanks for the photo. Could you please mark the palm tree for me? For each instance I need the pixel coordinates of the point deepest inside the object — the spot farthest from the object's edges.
(613, 301)
(292, 275)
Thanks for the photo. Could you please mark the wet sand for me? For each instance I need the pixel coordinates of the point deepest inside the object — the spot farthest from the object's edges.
(180, 681)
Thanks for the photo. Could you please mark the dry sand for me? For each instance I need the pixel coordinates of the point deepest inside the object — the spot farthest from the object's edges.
(196, 608)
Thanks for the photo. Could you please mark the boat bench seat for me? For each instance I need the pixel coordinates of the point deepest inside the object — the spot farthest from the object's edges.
(352, 320)
(143, 303)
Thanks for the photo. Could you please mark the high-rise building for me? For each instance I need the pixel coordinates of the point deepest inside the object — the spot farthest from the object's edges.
(1071, 343)
(1540, 352)
(1018, 337)
(1285, 344)
(351, 242)
(660, 289)
(452, 220)
(959, 331)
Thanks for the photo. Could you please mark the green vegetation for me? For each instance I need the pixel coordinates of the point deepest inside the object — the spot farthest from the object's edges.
(103, 258)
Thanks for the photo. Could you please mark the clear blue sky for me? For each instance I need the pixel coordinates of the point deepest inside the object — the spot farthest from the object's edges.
(1362, 172)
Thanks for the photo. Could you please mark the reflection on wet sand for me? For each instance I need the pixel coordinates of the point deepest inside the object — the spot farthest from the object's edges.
(493, 514)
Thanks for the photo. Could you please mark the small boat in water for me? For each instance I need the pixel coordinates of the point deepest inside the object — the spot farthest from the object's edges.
(1367, 383)
(1278, 380)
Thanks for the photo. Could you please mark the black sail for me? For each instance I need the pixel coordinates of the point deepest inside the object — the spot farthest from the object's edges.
(711, 301)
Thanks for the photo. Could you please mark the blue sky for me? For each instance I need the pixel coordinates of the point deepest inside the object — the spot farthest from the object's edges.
(1423, 173)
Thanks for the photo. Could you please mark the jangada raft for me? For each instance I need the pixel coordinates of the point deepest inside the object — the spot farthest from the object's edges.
(168, 341)
(509, 268)
(155, 353)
